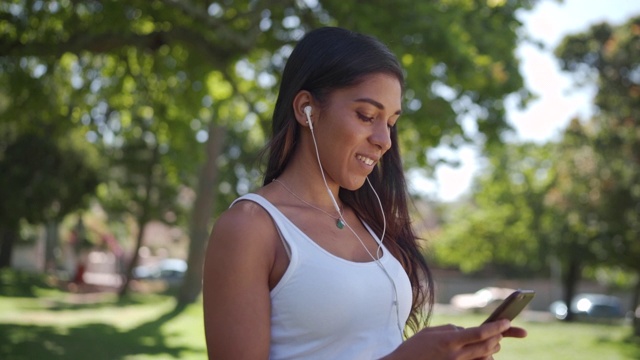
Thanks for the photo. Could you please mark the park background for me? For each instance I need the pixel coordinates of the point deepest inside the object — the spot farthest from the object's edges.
(127, 127)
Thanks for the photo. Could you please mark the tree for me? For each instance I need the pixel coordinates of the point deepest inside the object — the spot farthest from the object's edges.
(573, 202)
(193, 63)
(501, 228)
(533, 206)
(43, 179)
(608, 57)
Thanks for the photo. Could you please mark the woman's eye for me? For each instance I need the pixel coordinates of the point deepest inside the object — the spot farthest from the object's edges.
(365, 118)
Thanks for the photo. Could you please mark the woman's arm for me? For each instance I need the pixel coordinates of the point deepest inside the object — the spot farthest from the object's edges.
(236, 299)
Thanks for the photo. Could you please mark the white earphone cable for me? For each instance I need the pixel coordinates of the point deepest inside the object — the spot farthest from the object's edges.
(376, 258)
(384, 218)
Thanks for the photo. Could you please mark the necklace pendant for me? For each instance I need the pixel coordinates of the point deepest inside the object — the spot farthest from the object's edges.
(339, 224)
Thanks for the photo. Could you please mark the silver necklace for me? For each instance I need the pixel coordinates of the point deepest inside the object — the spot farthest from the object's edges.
(339, 222)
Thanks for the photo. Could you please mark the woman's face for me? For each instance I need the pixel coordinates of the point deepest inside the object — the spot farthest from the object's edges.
(354, 126)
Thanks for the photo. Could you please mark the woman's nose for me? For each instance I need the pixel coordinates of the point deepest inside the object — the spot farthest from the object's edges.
(381, 136)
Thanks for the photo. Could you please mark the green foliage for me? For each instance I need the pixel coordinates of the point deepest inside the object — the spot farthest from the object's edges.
(576, 201)
(188, 63)
(142, 81)
(573, 199)
(44, 178)
(609, 56)
(502, 227)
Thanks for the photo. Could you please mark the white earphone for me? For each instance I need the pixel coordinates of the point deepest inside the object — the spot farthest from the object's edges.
(307, 110)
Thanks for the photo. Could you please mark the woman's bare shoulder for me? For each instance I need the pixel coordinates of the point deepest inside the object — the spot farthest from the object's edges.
(245, 221)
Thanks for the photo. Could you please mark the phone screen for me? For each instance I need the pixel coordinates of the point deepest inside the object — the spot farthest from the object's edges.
(512, 305)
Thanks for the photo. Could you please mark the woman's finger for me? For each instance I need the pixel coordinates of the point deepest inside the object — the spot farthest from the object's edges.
(515, 332)
(447, 327)
(483, 349)
(485, 331)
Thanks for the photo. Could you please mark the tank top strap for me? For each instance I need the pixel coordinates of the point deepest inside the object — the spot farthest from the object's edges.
(279, 220)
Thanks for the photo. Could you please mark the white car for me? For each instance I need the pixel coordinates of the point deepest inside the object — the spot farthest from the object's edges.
(483, 300)
(169, 270)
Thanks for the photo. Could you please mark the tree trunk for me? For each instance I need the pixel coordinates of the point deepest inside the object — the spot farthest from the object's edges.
(141, 220)
(134, 258)
(51, 243)
(8, 237)
(569, 283)
(204, 203)
(635, 308)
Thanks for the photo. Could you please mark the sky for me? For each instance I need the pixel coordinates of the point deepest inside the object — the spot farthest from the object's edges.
(556, 100)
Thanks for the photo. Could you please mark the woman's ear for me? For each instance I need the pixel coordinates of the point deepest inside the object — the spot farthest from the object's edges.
(303, 100)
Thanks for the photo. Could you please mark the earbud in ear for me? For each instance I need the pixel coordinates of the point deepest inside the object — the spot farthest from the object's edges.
(307, 110)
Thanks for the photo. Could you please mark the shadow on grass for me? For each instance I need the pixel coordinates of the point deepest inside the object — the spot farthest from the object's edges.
(73, 302)
(629, 346)
(632, 346)
(89, 341)
(21, 284)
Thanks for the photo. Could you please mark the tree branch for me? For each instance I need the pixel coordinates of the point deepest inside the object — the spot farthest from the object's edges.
(218, 52)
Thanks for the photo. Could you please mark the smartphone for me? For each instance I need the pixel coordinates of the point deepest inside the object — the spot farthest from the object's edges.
(512, 305)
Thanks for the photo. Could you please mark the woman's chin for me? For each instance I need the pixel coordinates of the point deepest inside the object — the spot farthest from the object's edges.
(354, 184)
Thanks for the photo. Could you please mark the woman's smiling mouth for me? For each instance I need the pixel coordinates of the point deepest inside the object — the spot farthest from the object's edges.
(365, 160)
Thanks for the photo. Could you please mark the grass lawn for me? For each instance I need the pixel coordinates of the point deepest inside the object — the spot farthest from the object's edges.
(556, 340)
(37, 322)
(41, 323)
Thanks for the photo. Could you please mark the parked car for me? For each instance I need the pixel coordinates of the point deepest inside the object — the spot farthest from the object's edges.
(483, 300)
(170, 270)
(590, 307)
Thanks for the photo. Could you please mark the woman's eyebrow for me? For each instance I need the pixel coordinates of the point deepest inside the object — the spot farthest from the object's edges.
(375, 103)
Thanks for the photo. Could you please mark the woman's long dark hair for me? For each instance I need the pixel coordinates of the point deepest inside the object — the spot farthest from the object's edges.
(332, 58)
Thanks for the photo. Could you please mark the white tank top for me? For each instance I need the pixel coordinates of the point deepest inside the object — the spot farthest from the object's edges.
(326, 307)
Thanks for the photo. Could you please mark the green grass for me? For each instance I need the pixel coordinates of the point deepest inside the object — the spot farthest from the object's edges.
(38, 322)
(559, 340)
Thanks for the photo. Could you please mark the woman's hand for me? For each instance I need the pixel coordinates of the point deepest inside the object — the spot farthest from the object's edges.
(449, 342)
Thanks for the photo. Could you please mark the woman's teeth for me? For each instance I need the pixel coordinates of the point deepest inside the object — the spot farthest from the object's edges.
(365, 160)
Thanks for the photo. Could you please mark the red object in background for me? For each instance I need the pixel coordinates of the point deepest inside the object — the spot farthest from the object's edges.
(78, 278)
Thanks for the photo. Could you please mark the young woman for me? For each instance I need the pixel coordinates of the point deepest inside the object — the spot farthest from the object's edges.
(321, 262)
